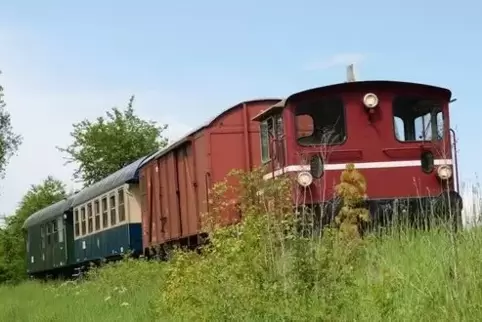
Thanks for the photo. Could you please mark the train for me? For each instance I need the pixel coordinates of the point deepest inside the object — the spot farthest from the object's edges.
(396, 133)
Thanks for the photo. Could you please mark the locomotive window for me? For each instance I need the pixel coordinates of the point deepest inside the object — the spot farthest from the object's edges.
(97, 214)
(76, 222)
(113, 218)
(82, 221)
(269, 128)
(121, 206)
(417, 119)
(90, 222)
(264, 132)
(105, 213)
(321, 122)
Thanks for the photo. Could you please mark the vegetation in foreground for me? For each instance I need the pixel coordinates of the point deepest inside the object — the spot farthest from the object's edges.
(261, 270)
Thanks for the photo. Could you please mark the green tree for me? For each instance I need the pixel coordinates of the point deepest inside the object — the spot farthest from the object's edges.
(12, 236)
(105, 146)
(9, 141)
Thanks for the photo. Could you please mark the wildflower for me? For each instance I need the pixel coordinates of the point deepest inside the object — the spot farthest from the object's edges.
(125, 304)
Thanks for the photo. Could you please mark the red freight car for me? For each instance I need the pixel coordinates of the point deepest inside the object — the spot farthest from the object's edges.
(396, 133)
(174, 182)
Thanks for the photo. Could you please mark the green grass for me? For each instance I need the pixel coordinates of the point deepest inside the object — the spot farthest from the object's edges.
(411, 276)
(259, 270)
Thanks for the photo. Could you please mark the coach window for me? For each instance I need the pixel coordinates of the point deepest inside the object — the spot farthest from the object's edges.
(49, 232)
(97, 214)
(121, 206)
(82, 221)
(113, 218)
(90, 219)
(42, 235)
(105, 213)
(320, 122)
(54, 231)
(60, 229)
(417, 119)
(76, 222)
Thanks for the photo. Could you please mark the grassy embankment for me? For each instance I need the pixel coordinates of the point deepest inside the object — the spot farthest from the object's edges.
(260, 271)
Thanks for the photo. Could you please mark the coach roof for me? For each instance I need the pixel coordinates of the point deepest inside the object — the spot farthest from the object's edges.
(48, 213)
(129, 173)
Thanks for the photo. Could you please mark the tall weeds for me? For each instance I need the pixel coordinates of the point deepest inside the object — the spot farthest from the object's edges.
(263, 269)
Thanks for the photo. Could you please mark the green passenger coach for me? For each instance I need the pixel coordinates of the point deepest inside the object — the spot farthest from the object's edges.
(50, 238)
(100, 222)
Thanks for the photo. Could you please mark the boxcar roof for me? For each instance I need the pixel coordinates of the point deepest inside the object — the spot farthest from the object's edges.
(205, 125)
(126, 174)
(49, 212)
(349, 86)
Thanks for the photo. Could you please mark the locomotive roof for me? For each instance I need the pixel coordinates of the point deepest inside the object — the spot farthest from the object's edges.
(350, 86)
(48, 212)
(205, 125)
(126, 174)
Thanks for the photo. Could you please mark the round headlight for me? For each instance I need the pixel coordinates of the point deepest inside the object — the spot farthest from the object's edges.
(304, 179)
(370, 100)
(444, 172)
(316, 166)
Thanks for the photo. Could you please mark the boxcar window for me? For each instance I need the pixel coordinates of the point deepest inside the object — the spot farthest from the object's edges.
(97, 214)
(60, 227)
(105, 213)
(121, 207)
(82, 221)
(90, 222)
(320, 122)
(417, 119)
(76, 222)
(113, 218)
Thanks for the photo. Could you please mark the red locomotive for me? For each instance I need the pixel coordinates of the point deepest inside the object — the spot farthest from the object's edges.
(397, 134)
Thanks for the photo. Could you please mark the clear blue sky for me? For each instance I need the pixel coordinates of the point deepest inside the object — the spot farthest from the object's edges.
(187, 61)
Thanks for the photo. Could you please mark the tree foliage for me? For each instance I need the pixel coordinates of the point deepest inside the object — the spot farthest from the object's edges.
(108, 144)
(9, 141)
(12, 236)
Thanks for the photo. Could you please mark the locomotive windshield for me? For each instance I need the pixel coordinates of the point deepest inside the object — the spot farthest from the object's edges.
(417, 119)
(321, 122)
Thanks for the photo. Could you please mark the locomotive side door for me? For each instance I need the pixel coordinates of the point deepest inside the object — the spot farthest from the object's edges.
(273, 143)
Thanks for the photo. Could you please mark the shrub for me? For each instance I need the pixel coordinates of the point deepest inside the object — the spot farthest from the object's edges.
(352, 191)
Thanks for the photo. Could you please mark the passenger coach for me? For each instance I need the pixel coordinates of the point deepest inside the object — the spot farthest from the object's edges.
(100, 222)
(107, 216)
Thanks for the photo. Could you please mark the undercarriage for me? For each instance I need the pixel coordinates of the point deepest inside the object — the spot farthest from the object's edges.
(417, 212)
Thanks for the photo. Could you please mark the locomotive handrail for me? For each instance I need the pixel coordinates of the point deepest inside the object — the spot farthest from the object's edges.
(456, 165)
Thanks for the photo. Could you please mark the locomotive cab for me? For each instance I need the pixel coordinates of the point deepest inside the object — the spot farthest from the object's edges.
(396, 134)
